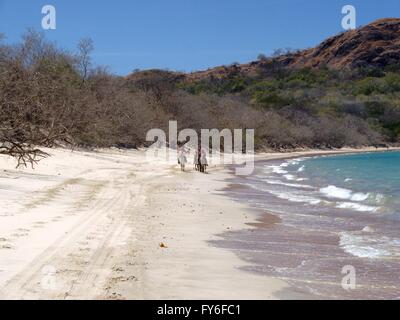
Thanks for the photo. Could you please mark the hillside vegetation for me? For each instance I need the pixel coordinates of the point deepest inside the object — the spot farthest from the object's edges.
(52, 97)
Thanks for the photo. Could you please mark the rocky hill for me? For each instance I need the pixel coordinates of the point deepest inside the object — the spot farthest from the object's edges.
(377, 44)
(374, 45)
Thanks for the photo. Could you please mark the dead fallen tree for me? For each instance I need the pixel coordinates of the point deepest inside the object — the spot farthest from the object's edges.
(24, 143)
(25, 154)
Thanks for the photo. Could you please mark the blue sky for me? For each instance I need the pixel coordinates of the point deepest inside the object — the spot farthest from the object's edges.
(187, 35)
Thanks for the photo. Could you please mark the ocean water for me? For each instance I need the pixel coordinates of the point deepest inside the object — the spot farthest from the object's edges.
(363, 182)
(334, 211)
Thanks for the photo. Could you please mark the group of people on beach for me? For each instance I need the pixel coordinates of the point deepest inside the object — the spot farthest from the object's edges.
(200, 159)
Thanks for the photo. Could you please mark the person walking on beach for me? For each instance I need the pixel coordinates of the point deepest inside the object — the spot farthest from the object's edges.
(200, 160)
(196, 160)
(203, 161)
(182, 159)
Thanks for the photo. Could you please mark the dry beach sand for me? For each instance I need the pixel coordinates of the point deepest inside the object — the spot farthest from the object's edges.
(113, 225)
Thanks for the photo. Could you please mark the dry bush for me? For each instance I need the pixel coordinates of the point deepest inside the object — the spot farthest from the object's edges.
(51, 97)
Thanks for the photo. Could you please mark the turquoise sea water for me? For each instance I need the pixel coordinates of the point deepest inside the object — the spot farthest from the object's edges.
(363, 182)
(333, 211)
(361, 190)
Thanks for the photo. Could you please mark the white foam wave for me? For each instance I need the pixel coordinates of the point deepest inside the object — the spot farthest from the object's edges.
(368, 229)
(369, 246)
(277, 169)
(379, 198)
(292, 177)
(357, 207)
(359, 196)
(294, 185)
(344, 194)
(295, 197)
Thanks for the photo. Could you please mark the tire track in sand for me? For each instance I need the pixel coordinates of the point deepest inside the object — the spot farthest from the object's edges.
(27, 282)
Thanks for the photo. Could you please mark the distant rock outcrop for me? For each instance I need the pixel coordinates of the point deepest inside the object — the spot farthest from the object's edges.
(374, 45)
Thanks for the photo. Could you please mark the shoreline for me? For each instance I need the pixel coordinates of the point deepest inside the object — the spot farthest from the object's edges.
(277, 229)
(318, 153)
(219, 180)
(113, 225)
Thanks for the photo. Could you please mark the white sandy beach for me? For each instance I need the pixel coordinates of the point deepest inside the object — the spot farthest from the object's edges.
(89, 225)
